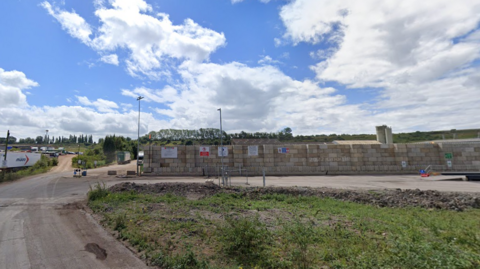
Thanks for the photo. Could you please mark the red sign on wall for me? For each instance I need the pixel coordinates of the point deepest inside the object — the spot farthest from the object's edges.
(204, 151)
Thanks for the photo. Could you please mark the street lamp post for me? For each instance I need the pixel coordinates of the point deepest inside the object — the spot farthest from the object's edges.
(46, 139)
(221, 145)
(138, 135)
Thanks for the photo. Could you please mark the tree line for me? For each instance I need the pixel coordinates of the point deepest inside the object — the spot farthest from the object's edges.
(46, 139)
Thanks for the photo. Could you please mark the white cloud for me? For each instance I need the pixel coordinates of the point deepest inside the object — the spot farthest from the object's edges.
(420, 57)
(151, 40)
(11, 85)
(268, 60)
(385, 43)
(66, 120)
(252, 99)
(30, 121)
(110, 59)
(71, 22)
(101, 105)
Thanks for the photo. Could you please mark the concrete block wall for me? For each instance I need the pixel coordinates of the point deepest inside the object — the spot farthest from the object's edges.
(465, 154)
(312, 159)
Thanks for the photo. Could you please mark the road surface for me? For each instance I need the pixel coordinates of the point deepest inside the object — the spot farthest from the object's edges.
(42, 226)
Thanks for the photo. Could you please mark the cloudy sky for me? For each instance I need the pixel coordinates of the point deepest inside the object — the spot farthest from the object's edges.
(317, 66)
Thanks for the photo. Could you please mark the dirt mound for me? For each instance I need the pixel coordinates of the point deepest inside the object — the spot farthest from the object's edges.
(387, 198)
(382, 198)
(182, 189)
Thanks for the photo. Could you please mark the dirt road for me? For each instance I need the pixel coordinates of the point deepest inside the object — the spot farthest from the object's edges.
(42, 226)
(64, 164)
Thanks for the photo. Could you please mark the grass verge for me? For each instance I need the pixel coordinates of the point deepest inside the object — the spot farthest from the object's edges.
(42, 166)
(236, 230)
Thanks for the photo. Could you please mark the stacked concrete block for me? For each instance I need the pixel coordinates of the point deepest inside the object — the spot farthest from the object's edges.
(268, 155)
(314, 159)
(465, 155)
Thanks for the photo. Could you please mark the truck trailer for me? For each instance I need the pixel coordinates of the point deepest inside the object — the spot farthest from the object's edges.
(17, 160)
(123, 157)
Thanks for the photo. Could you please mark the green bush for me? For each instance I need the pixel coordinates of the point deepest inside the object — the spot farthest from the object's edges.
(99, 191)
(245, 240)
(186, 261)
(53, 162)
(300, 237)
(89, 161)
(120, 222)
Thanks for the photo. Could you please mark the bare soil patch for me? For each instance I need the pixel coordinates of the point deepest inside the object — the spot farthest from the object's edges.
(383, 198)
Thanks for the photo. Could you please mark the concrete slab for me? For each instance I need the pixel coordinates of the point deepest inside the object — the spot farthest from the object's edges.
(367, 182)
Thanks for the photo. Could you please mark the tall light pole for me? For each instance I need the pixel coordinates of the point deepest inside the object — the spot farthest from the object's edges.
(221, 144)
(138, 135)
(46, 139)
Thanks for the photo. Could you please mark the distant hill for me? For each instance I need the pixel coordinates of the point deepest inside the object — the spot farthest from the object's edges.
(435, 135)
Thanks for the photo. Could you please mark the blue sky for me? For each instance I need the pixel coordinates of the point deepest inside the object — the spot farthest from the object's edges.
(316, 66)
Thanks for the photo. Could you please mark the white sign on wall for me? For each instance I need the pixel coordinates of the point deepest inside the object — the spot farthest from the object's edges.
(404, 164)
(449, 163)
(252, 150)
(169, 152)
(222, 151)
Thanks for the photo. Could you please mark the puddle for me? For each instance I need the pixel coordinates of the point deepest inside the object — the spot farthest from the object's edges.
(100, 253)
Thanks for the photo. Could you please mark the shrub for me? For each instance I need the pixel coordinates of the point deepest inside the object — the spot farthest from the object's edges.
(99, 191)
(300, 237)
(53, 162)
(185, 261)
(120, 222)
(245, 240)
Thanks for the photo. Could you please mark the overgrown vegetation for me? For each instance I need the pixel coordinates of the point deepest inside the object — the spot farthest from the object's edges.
(42, 166)
(239, 230)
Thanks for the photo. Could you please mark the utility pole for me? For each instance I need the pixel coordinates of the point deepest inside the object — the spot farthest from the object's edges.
(138, 135)
(221, 144)
(5, 155)
(46, 140)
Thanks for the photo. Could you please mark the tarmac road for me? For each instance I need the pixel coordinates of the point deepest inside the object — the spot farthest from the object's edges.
(41, 228)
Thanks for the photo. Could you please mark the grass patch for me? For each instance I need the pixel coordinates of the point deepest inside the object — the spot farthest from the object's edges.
(287, 231)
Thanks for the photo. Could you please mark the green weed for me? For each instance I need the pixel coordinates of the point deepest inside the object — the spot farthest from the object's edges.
(99, 191)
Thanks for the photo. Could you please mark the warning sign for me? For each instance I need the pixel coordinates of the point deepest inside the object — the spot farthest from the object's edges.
(222, 151)
(252, 150)
(169, 152)
(204, 151)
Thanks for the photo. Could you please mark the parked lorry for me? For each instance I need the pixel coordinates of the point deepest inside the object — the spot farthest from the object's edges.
(123, 157)
(18, 159)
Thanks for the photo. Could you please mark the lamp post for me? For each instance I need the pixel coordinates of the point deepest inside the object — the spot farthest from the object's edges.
(221, 144)
(138, 134)
(46, 139)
